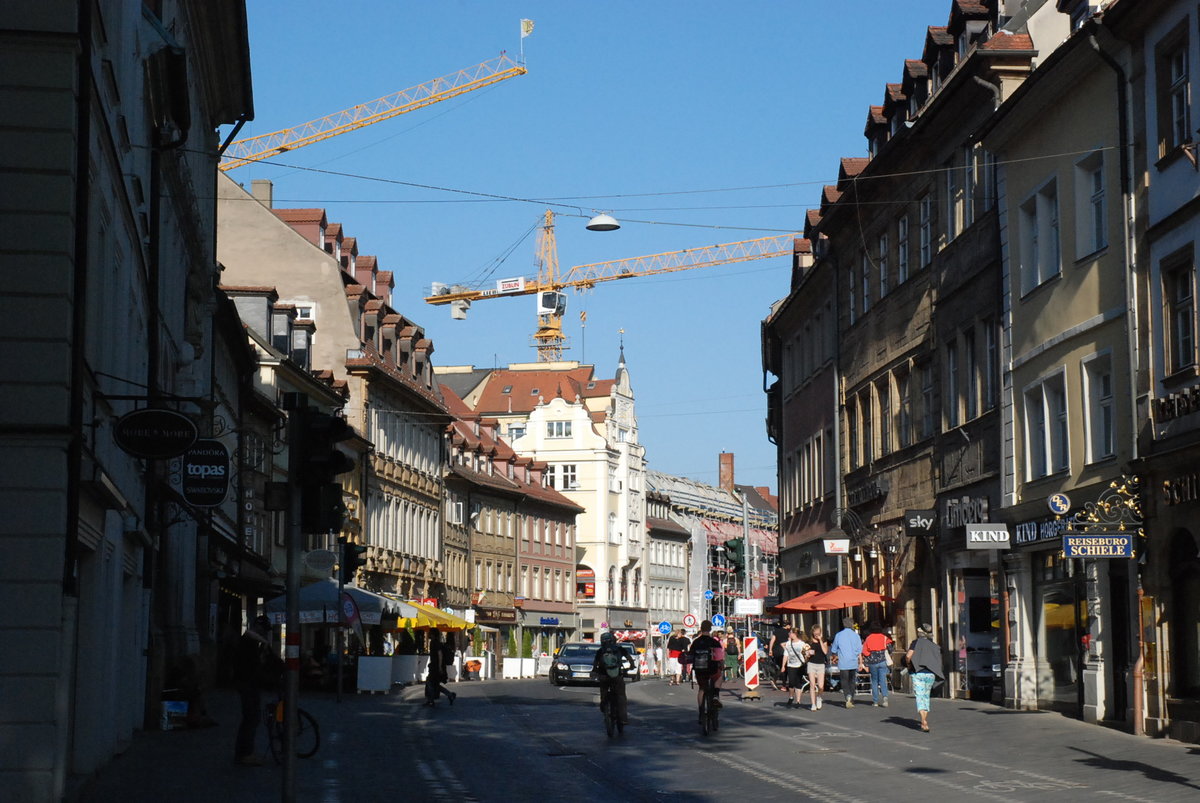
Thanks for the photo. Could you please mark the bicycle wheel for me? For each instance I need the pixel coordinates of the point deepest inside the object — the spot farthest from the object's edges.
(714, 717)
(274, 732)
(609, 723)
(308, 735)
(704, 721)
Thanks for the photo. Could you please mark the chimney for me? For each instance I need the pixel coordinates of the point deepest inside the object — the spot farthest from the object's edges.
(726, 471)
(263, 191)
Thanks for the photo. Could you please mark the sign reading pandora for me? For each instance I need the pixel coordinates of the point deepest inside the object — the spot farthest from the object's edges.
(205, 473)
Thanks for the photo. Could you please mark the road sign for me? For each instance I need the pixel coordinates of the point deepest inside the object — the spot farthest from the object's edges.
(1059, 504)
(751, 607)
(718, 620)
(690, 620)
(709, 594)
(664, 627)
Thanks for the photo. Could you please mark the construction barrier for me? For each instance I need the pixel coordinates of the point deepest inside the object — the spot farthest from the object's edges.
(750, 661)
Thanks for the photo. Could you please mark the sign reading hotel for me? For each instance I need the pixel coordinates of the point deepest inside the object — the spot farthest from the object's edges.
(1112, 545)
(987, 536)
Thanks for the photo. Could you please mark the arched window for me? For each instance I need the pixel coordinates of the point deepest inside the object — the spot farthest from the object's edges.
(1184, 615)
(612, 584)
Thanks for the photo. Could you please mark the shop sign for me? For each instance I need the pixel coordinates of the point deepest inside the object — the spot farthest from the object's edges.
(1177, 405)
(1031, 532)
(1110, 545)
(501, 615)
(551, 621)
(919, 522)
(987, 536)
(837, 546)
(867, 491)
(205, 478)
(967, 510)
(1182, 489)
(154, 434)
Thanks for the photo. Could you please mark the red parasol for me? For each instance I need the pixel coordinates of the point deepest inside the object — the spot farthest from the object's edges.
(840, 597)
(797, 603)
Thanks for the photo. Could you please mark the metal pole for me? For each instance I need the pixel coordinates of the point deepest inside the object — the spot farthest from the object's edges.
(341, 626)
(296, 406)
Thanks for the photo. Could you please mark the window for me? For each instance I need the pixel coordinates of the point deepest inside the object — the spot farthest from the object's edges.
(904, 416)
(1172, 90)
(853, 297)
(926, 229)
(852, 435)
(1046, 433)
(902, 250)
(982, 180)
(1040, 255)
(991, 363)
(955, 200)
(1180, 312)
(971, 374)
(866, 283)
(1098, 390)
(1090, 235)
(516, 431)
(570, 480)
(558, 429)
(883, 265)
(952, 380)
(868, 431)
(882, 390)
(925, 374)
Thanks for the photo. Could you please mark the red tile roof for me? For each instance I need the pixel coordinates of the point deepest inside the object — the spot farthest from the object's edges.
(915, 68)
(300, 215)
(1008, 41)
(548, 384)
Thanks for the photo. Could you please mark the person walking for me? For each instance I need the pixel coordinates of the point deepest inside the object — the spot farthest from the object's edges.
(795, 653)
(733, 656)
(818, 656)
(675, 647)
(875, 653)
(847, 646)
(924, 658)
(256, 666)
(779, 637)
(435, 674)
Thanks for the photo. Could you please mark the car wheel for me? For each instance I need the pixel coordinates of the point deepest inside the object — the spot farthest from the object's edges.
(555, 680)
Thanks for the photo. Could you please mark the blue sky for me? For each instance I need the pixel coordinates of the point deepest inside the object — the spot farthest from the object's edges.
(713, 121)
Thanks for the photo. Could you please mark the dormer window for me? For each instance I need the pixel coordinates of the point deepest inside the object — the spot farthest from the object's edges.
(506, 389)
(535, 392)
(304, 313)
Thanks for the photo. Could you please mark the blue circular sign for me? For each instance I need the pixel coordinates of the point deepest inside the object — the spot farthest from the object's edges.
(1059, 503)
(664, 627)
(709, 594)
(718, 620)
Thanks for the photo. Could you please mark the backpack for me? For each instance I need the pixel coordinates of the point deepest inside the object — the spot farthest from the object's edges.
(701, 658)
(611, 662)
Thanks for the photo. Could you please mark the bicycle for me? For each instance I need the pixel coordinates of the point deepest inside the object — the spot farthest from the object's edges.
(709, 716)
(308, 733)
(612, 724)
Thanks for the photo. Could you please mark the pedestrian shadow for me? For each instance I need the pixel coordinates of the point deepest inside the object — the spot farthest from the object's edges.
(911, 724)
(1149, 771)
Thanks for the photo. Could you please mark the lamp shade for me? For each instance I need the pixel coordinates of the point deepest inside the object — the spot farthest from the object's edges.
(603, 222)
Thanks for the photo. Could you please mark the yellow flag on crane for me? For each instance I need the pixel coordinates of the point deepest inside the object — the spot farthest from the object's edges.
(526, 28)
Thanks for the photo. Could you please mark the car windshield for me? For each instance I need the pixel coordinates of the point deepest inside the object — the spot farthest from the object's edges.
(578, 651)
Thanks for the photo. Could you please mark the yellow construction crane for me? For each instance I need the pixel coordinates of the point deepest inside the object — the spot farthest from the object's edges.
(548, 286)
(245, 151)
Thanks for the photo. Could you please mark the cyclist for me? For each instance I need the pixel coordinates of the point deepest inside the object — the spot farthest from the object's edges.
(707, 658)
(609, 667)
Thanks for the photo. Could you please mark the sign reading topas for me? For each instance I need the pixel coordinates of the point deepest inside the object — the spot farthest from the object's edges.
(987, 536)
(205, 473)
(154, 433)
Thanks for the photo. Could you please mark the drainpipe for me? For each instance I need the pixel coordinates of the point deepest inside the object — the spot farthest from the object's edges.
(1131, 328)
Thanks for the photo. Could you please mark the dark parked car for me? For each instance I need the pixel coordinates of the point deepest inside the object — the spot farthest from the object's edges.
(573, 663)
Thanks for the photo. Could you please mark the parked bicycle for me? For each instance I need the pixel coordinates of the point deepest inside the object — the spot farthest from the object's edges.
(308, 733)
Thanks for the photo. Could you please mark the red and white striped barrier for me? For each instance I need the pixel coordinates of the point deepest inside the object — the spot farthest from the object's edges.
(750, 661)
(643, 665)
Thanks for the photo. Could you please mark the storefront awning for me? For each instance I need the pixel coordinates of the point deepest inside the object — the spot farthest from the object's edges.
(320, 604)
(430, 618)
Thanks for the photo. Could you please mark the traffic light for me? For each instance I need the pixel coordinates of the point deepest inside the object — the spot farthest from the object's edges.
(321, 507)
(735, 552)
(350, 559)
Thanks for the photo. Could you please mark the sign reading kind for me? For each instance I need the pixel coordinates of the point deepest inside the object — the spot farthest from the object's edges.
(987, 536)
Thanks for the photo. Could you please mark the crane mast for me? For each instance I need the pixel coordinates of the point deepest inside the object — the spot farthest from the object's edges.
(251, 149)
(548, 338)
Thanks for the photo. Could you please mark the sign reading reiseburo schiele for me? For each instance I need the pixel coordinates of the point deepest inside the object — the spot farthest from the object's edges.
(154, 433)
(205, 473)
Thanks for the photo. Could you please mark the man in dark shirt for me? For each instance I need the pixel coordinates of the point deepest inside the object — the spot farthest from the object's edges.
(676, 645)
(256, 666)
(779, 638)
